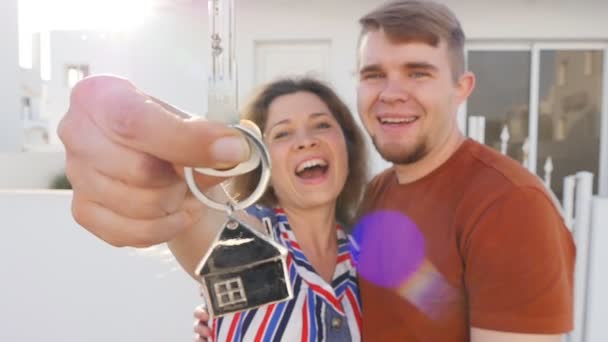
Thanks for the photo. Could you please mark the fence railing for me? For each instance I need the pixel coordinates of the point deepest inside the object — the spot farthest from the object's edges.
(577, 213)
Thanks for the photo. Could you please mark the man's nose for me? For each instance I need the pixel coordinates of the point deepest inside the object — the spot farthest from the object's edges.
(394, 91)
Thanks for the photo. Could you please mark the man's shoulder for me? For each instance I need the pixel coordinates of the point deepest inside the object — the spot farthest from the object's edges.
(490, 164)
(493, 176)
(381, 179)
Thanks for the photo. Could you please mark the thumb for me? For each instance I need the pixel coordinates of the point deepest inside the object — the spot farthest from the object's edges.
(133, 119)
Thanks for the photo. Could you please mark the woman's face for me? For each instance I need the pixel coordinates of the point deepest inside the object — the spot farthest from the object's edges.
(307, 149)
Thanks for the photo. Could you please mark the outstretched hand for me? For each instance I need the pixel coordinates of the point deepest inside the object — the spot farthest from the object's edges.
(125, 154)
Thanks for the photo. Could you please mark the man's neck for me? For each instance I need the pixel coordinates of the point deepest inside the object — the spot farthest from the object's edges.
(408, 173)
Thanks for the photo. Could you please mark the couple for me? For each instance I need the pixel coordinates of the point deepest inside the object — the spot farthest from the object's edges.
(494, 261)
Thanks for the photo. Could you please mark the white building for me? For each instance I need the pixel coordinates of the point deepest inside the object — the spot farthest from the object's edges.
(542, 68)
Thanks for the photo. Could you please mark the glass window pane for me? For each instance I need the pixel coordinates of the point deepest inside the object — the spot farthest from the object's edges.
(570, 102)
(501, 96)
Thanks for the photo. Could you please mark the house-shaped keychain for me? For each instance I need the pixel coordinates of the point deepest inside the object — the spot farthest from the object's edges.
(242, 270)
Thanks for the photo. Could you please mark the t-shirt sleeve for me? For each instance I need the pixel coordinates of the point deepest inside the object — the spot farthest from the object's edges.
(519, 260)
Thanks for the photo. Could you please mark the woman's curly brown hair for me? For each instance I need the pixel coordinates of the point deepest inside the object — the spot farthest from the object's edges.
(257, 111)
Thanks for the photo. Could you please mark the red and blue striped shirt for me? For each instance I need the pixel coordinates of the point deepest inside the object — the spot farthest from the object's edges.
(318, 311)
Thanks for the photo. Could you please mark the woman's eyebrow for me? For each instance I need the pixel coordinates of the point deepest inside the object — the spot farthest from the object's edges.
(281, 122)
(319, 114)
(286, 121)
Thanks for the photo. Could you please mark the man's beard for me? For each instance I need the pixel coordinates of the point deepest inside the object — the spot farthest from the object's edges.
(402, 155)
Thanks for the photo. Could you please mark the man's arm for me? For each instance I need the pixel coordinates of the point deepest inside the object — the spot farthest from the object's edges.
(519, 260)
(484, 335)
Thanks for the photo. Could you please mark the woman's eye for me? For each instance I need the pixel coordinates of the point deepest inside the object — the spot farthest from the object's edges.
(323, 125)
(280, 135)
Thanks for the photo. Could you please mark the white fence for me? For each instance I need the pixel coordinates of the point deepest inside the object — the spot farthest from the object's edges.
(60, 283)
(30, 170)
(596, 329)
(577, 210)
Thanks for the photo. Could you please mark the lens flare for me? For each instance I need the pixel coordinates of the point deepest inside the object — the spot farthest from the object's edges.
(391, 254)
(391, 248)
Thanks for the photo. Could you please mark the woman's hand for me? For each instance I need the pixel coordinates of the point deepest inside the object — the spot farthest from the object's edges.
(201, 324)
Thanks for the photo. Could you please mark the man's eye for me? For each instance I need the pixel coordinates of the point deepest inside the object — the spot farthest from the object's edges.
(372, 75)
(419, 74)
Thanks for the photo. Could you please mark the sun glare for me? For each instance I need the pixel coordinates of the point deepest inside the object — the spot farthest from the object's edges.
(106, 15)
(44, 16)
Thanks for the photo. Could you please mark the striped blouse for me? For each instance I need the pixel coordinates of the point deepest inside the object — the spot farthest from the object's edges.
(318, 311)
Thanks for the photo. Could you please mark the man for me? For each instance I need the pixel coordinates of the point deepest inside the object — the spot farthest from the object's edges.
(498, 261)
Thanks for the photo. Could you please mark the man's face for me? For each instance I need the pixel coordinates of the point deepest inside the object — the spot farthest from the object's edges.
(407, 96)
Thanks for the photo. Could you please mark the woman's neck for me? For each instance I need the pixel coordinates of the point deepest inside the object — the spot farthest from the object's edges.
(315, 230)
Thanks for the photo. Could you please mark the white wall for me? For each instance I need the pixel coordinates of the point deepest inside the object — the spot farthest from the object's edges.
(533, 19)
(169, 56)
(60, 283)
(164, 57)
(10, 121)
(597, 298)
(103, 54)
(32, 170)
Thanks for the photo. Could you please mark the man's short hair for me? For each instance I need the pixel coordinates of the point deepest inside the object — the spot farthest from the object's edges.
(419, 21)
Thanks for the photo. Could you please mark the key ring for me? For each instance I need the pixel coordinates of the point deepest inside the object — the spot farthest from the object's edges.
(244, 167)
(256, 143)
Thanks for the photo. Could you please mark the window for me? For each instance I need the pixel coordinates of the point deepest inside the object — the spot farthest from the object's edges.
(230, 292)
(502, 95)
(589, 62)
(543, 106)
(75, 73)
(569, 113)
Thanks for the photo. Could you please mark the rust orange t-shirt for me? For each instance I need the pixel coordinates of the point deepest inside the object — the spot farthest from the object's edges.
(497, 254)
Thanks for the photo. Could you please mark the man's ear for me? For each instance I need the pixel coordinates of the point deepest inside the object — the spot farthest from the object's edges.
(465, 86)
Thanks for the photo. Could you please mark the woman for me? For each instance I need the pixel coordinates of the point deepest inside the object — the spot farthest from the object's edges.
(318, 175)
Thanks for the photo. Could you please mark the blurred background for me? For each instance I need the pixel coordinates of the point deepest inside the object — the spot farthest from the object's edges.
(541, 98)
